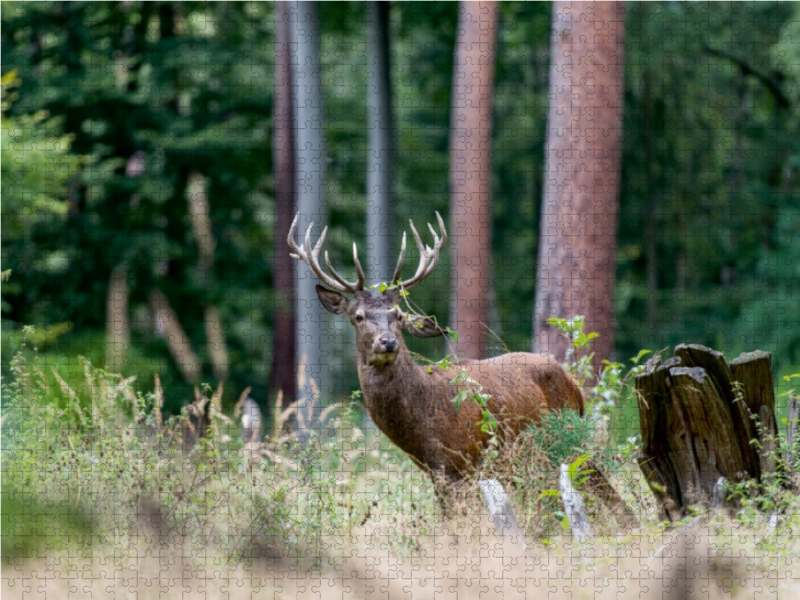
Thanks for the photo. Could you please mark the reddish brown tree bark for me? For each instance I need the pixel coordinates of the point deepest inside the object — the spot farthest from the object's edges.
(577, 245)
(470, 182)
(284, 356)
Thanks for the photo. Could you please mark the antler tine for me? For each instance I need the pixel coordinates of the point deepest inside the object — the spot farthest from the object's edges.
(336, 276)
(423, 256)
(359, 271)
(428, 256)
(442, 227)
(399, 267)
(437, 245)
(297, 252)
(311, 257)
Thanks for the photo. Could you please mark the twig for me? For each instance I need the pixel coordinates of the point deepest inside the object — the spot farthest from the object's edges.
(771, 83)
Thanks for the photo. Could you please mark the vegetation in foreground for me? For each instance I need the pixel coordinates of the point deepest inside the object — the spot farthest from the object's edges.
(94, 481)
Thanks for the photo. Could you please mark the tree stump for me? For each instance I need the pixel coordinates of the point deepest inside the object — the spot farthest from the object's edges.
(695, 415)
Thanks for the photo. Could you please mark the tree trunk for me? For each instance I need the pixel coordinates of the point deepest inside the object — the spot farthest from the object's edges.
(118, 330)
(168, 327)
(696, 424)
(381, 225)
(310, 161)
(200, 216)
(284, 354)
(577, 245)
(470, 176)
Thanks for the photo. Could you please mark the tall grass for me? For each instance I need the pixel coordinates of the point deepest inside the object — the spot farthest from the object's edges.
(96, 480)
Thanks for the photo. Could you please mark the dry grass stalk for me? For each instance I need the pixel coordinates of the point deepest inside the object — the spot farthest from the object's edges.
(93, 390)
(237, 409)
(69, 393)
(158, 400)
(328, 410)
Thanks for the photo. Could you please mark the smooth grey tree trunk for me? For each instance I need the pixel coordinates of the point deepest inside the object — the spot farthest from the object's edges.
(381, 253)
(311, 183)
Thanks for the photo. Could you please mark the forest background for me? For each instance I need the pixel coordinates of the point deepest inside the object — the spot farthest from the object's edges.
(115, 113)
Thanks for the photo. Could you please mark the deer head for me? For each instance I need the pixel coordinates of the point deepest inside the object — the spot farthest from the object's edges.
(376, 316)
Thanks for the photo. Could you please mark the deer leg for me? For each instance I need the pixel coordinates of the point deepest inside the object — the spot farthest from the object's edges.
(448, 488)
(443, 490)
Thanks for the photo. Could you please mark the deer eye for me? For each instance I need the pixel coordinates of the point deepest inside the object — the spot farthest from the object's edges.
(359, 318)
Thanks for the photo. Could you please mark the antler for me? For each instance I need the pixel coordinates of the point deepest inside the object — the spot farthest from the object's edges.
(311, 258)
(427, 256)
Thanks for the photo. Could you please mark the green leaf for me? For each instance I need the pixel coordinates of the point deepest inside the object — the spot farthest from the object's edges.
(576, 465)
(461, 377)
(549, 493)
(460, 397)
(642, 353)
(453, 335)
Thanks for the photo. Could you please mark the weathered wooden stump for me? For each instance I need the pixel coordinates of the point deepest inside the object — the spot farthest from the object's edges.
(696, 424)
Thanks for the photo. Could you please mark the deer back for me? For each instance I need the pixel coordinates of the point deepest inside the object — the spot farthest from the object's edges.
(413, 405)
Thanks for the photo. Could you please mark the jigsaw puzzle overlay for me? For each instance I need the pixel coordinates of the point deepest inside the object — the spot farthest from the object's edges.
(400, 300)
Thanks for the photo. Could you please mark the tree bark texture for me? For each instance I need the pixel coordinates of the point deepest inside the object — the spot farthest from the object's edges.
(381, 226)
(311, 183)
(577, 245)
(696, 423)
(284, 353)
(470, 181)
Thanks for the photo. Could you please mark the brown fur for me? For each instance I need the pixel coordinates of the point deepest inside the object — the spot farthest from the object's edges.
(413, 405)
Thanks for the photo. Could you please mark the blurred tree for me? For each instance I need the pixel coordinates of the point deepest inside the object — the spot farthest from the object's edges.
(381, 224)
(36, 167)
(136, 89)
(311, 187)
(470, 177)
(284, 354)
(705, 249)
(577, 247)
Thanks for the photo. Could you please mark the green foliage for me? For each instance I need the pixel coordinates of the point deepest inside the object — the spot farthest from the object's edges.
(612, 390)
(793, 449)
(36, 166)
(116, 466)
(709, 190)
(138, 95)
(579, 365)
(562, 435)
(472, 391)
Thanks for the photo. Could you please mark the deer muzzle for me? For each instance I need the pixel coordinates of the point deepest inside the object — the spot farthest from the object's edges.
(385, 344)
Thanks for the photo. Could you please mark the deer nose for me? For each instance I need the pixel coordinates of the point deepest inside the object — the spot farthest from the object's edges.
(389, 343)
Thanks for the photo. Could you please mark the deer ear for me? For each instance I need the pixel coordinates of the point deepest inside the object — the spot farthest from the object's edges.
(421, 327)
(333, 301)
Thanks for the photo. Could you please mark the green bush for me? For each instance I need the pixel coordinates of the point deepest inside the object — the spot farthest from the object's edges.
(563, 435)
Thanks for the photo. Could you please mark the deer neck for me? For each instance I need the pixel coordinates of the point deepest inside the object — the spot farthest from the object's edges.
(387, 389)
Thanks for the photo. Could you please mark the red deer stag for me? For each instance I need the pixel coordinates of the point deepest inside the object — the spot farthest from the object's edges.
(413, 405)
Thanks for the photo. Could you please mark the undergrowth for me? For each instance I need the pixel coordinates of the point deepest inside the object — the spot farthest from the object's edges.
(98, 464)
